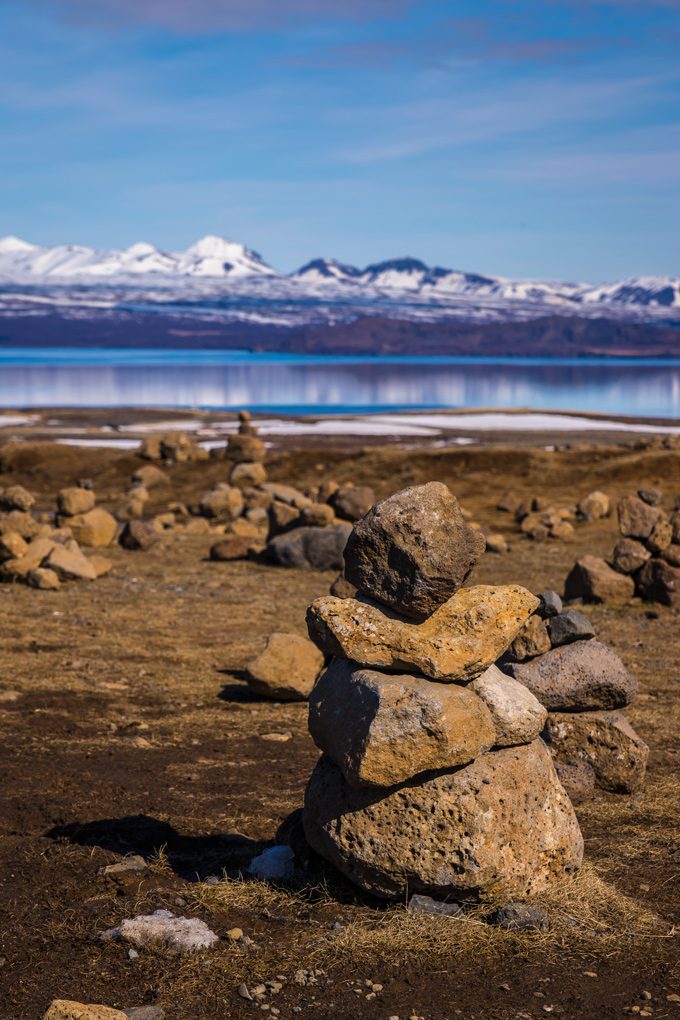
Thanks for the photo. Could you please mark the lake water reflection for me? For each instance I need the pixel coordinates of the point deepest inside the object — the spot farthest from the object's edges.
(299, 384)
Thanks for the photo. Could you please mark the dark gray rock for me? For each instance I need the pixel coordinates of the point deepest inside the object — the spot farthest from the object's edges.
(569, 627)
(658, 581)
(351, 502)
(650, 496)
(551, 604)
(520, 917)
(577, 678)
(144, 1013)
(420, 904)
(309, 548)
(413, 550)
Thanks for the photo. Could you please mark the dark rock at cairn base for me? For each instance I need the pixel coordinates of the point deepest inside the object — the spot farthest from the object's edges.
(568, 627)
(551, 604)
(413, 550)
(309, 548)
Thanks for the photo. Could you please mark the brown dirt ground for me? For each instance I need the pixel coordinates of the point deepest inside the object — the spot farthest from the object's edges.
(126, 727)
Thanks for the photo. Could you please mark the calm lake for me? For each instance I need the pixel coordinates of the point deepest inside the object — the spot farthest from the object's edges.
(60, 377)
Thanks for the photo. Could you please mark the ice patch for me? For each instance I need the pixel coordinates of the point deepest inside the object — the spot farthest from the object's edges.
(177, 934)
(277, 864)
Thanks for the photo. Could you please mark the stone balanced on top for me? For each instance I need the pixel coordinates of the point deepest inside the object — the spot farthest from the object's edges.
(433, 777)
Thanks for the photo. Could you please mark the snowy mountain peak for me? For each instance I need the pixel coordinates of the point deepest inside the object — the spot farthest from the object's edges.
(327, 270)
(14, 244)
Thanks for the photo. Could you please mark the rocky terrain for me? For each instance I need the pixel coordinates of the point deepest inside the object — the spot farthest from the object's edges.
(148, 765)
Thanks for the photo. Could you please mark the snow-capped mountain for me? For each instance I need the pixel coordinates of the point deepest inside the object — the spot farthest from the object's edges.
(215, 268)
(211, 257)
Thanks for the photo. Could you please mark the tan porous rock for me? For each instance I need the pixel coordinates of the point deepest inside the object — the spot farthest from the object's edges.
(138, 535)
(413, 550)
(286, 494)
(245, 475)
(497, 543)
(12, 546)
(70, 564)
(382, 729)
(532, 640)
(498, 829)
(594, 505)
(223, 503)
(317, 515)
(96, 528)
(287, 668)
(661, 536)
(68, 1009)
(16, 497)
(75, 500)
(43, 578)
(605, 742)
(235, 547)
(593, 580)
(351, 502)
(457, 643)
(22, 522)
(150, 476)
(518, 717)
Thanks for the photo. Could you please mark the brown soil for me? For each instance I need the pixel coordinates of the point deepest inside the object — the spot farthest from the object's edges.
(126, 727)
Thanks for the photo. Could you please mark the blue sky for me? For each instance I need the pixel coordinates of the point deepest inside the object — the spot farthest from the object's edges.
(527, 139)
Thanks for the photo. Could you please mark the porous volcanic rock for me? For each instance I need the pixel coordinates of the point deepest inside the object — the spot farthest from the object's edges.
(382, 729)
(68, 1009)
(413, 550)
(497, 829)
(457, 643)
(517, 715)
(604, 741)
(532, 640)
(247, 474)
(286, 669)
(310, 548)
(659, 581)
(577, 677)
(593, 580)
(16, 497)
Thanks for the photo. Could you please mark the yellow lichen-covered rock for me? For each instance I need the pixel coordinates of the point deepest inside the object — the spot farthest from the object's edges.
(455, 644)
(67, 1009)
(499, 829)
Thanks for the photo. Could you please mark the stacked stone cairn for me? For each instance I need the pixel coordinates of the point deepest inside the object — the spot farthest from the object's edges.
(644, 562)
(43, 553)
(583, 684)
(433, 778)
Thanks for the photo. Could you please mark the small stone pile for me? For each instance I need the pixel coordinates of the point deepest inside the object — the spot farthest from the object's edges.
(433, 778)
(174, 447)
(644, 562)
(42, 555)
(90, 525)
(538, 519)
(583, 684)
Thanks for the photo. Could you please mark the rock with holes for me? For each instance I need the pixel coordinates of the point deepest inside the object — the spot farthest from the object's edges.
(382, 729)
(69, 1009)
(532, 640)
(455, 644)
(413, 550)
(604, 742)
(501, 828)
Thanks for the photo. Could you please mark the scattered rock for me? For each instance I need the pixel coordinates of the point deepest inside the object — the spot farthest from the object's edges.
(144, 1013)
(636, 518)
(457, 643)
(162, 928)
(594, 506)
(661, 536)
(672, 555)
(317, 515)
(12, 546)
(518, 717)
(651, 496)
(498, 829)
(150, 476)
(287, 668)
(224, 503)
(604, 741)
(245, 474)
(531, 641)
(568, 627)
(551, 604)
(95, 528)
(497, 543)
(67, 1009)
(381, 729)
(235, 547)
(132, 865)
(282, 517)
(138, 535)
(16, 497)
(593, 580)
(69, 563)
(519, 917)
(413, 550)
(342, 588)
(44, 579)
(658, 581)
(419, 904)
(286, 494)
(310, 548)
(74, 500)
(352, 502)
(577, 677)
(629, 555)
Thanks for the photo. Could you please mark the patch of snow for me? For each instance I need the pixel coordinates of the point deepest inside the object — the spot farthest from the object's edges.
(162, 928)
(276, 864)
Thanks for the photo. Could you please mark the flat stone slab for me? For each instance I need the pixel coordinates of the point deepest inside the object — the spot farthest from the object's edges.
(457, 643)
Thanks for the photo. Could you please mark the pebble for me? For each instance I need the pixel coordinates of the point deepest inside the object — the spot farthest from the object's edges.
(234, 934)
(276, 738)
